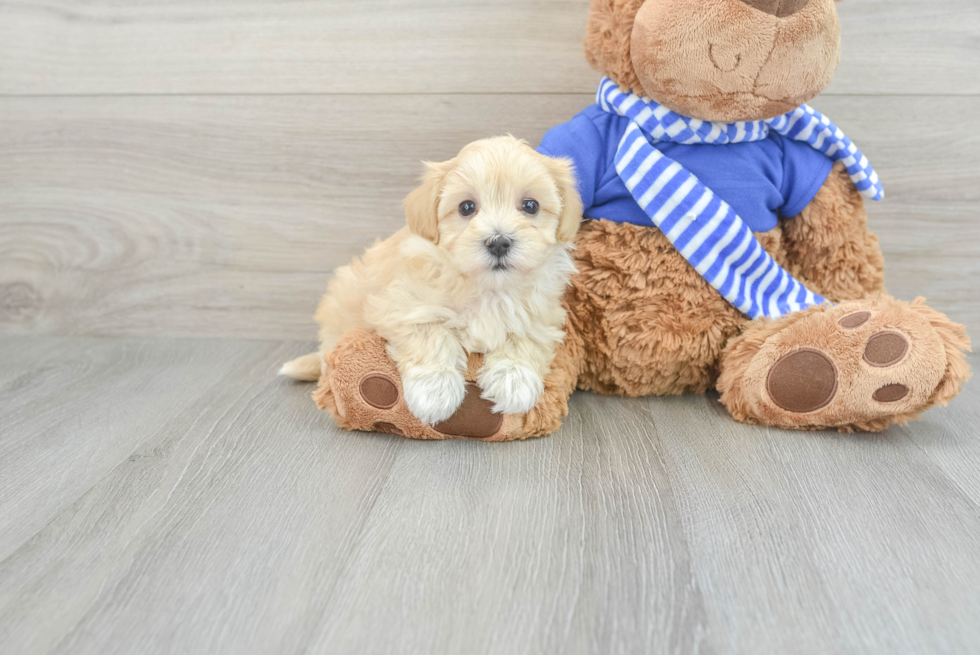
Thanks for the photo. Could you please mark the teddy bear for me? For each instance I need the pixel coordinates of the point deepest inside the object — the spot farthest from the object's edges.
(711, 95)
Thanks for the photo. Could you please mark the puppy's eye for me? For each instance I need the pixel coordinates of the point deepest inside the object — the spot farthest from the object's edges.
(530, 206)
(467, 208)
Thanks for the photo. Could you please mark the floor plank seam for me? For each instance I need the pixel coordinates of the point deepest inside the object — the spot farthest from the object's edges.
(356, 535)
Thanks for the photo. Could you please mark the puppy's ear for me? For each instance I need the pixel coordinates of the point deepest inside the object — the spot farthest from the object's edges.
(422, 205)
(571, 203)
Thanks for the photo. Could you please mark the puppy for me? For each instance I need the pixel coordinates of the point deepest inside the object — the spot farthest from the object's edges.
(480, 268)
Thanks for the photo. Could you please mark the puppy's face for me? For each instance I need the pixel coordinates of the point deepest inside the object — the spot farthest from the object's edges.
(499, 209)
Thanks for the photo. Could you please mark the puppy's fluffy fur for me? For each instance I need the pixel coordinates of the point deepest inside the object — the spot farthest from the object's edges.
(436, 290)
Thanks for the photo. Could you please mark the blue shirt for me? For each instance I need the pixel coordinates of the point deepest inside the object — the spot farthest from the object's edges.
(761, 180)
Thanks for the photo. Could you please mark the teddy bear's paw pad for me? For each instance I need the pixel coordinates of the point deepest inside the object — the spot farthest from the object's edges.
(474, 419)
(803, 381)
(806, 380)
(886, 349)
(861, 365)
(855, 320)
(379, 391)
(891, 393)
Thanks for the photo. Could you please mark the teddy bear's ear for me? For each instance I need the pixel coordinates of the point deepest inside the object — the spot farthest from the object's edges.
(422, 204)
(608, 37)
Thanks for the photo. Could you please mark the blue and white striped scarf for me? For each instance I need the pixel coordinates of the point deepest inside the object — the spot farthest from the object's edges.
(703, 227)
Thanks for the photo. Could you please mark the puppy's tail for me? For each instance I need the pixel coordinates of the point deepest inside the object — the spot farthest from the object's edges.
(305, 368)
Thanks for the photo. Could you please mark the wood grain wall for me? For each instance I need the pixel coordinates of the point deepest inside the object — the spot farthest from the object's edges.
(197, 169)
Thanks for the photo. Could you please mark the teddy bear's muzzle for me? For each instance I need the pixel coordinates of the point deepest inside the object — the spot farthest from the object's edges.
(778, 8)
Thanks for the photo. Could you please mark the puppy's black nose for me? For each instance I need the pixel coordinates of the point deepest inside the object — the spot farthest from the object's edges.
(499, 245)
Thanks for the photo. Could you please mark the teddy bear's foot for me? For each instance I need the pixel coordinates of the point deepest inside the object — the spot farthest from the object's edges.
(361, 388)
(857, 366)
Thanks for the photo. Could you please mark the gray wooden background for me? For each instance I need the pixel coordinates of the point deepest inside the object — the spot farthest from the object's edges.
(185, 168)
(177, 180)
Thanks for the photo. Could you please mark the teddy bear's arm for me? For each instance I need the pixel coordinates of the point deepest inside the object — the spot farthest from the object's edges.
(829, 247)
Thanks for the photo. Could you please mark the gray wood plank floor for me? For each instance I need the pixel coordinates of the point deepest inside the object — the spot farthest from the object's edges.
(173, 496)
(177, 180)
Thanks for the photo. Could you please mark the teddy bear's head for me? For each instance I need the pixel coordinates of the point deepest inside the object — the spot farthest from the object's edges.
(717, 60)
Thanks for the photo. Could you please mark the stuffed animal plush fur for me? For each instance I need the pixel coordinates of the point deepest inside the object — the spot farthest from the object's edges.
(642, 321)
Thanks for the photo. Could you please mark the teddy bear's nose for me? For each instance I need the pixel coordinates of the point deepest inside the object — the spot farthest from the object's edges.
(778, 8)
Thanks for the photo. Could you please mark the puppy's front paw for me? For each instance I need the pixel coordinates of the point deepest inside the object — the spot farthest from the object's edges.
(513, 388)
(433, 396)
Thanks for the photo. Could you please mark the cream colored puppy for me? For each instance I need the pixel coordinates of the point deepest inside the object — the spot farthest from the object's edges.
(480, 268)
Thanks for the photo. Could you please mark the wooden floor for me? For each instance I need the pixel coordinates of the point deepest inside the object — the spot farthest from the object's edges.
(177, 180)
(174, 496)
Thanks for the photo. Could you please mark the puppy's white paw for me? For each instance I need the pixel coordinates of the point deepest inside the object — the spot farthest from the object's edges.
(433, 396)
(512, 388)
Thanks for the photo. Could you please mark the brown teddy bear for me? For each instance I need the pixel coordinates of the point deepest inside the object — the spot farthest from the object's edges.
(642, 319)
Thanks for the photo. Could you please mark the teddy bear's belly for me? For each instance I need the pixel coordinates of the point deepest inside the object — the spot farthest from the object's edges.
(650, 323)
